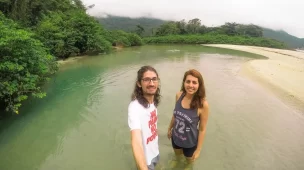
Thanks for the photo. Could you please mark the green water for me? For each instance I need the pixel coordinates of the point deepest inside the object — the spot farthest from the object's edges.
(82, 123)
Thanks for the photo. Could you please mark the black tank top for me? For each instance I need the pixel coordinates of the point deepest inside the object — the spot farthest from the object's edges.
(185, 127)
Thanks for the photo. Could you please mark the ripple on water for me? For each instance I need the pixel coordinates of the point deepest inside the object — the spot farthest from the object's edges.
(104, 89)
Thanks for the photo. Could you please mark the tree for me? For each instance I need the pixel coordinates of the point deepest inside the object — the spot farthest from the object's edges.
(193, 26)
(249, 30)
(25, 65)
(229, 28)
(139, 30)
(169, 28)
(71, 33)
(203, 29)
(182, 26)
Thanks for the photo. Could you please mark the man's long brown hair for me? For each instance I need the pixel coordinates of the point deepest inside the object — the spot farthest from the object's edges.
(200, 95)
(138, 93)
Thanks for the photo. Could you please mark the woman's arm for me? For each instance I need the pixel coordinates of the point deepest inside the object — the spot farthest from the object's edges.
(203, 114)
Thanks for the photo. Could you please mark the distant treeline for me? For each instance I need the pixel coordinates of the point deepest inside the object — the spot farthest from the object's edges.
(147, 27)
(193, 32)
(34, 34)
(211, 38)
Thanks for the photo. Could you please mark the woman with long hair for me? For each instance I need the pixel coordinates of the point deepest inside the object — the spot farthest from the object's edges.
(188, 124)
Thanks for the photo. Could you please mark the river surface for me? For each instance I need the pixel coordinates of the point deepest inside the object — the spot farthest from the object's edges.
(82, 123)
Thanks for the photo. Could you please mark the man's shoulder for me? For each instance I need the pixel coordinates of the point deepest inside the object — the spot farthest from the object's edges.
(134, 104)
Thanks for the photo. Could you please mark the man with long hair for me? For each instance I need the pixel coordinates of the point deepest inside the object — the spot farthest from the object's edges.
(142, 118)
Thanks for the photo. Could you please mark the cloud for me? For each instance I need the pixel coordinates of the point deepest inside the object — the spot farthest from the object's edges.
(275, 14)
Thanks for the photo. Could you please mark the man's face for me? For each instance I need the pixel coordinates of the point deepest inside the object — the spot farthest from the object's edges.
(149, 83)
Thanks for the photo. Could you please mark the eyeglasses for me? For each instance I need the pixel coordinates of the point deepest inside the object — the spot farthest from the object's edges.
(148, 80)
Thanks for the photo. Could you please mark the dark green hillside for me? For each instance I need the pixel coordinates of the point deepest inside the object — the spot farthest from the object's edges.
(290, 40)
(130, 24)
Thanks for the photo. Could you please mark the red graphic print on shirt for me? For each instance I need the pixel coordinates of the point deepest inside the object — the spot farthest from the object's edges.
(152, 126)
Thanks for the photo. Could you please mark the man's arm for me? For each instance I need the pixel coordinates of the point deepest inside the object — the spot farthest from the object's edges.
(136, 137)
(138, 151)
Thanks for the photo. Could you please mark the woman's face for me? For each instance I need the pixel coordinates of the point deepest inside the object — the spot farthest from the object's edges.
(191, 84)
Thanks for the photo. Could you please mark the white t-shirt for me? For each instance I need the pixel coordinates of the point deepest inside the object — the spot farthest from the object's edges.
(145, 119)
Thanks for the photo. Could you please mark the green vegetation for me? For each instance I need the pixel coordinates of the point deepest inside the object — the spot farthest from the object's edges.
(71, 33)
(121, 38)
(214, 39)
(25, 64)
(34, 34)
(150, 26)
(192, 32)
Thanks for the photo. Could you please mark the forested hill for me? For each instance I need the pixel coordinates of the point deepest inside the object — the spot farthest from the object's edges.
(128, 24)
(150, 26)
(290, 40)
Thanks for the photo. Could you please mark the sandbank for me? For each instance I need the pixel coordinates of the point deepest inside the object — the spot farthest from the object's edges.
(282, 72)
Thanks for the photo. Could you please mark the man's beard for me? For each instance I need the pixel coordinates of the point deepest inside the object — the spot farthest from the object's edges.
(150, 93)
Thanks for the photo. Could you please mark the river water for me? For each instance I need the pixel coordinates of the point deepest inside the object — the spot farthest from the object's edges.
(82, 123)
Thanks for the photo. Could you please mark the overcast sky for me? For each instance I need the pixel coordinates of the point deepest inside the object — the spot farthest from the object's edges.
(276, 14)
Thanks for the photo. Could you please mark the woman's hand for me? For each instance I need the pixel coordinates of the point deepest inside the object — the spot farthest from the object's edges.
(195, 155)
(169, 133)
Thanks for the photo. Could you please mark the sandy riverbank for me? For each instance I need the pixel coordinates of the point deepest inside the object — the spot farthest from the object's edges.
(283, 72)
(69, 60)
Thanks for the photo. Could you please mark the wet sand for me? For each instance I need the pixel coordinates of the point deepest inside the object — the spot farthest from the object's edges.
(282, 72)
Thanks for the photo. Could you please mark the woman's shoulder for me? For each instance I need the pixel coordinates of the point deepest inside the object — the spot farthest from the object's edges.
(205, 105)
(178, 94)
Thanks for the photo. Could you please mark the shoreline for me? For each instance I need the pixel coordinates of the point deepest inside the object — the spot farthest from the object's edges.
(61, 62)
(72, 59)
(282, 73)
